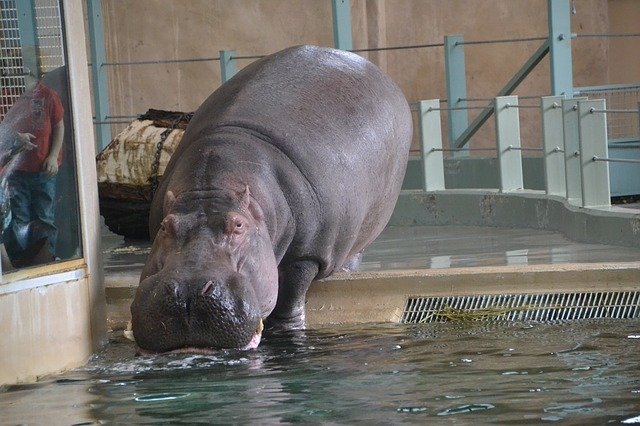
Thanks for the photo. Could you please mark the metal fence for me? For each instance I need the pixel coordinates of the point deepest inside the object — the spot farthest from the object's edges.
(44, 26)
(620, 127)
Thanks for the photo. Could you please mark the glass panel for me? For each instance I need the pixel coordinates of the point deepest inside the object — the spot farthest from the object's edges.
(38, 187)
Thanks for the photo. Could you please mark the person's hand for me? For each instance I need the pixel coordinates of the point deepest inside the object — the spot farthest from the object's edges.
(24, 142)
(50, 166)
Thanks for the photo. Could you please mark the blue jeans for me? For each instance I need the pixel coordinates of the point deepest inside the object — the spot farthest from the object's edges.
(33, 203)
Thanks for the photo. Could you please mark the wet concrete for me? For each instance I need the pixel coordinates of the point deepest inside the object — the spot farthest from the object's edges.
(429, 247)
(406, 261)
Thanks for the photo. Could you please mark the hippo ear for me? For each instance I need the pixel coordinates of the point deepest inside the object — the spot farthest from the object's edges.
(169, 199)
(245, 199)
(247, 206)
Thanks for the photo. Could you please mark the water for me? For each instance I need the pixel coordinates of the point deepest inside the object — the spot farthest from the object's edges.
(584, 372)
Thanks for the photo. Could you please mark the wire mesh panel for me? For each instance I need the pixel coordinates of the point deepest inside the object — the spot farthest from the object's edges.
(523, 307)
(619, 126)
(48, 36)
(11, 79)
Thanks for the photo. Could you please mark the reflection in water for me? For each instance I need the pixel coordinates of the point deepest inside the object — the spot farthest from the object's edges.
(581, 372)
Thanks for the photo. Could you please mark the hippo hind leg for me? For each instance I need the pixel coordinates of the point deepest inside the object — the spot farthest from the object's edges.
(352, 264)
(294, 281)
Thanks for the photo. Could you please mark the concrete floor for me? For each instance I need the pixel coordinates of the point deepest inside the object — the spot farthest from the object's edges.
(424, 261)
(430, 247)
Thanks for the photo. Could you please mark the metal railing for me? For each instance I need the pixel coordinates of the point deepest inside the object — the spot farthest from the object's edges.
(574, 147)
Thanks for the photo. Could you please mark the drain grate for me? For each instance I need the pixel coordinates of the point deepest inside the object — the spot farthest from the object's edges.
(526, 307)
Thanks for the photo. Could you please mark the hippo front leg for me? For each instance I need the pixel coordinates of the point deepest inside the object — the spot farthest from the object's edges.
(294, 281)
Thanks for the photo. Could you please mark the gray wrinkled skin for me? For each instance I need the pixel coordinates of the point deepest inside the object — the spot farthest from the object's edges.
(284, 175)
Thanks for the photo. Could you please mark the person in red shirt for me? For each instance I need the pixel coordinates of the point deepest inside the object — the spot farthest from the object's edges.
(37, 119)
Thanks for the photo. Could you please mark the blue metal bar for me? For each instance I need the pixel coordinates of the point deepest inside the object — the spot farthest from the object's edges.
(99, 74)
(506, 90)
(559, 16)
(342, 38)
(455, 72)
(227, 65)
(28, 36)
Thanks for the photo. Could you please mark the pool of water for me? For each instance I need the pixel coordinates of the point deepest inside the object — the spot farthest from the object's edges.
(585, 372)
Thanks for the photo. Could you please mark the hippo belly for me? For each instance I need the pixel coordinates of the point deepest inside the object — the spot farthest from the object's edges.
(284, 175)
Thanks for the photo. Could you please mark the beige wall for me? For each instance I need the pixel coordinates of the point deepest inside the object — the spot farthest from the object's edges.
(170, 29)
(44, 330)
(624, 17)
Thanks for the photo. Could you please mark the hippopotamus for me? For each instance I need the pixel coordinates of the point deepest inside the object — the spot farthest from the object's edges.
(283, 176)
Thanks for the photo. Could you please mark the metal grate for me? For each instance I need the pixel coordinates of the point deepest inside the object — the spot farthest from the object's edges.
(11, 79)
(619, 126)
(49, 34)
(527, 307)
(50, 49)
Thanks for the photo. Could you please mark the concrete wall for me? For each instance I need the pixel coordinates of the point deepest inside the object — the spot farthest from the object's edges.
(44, 329)
(53, 317)
(170, 29)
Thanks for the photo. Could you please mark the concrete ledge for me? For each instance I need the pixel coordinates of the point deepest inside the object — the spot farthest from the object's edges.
(381, 297)
(368, 297)
(521, 209)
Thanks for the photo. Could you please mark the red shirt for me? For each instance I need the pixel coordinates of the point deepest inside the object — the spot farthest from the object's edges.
(36, 112)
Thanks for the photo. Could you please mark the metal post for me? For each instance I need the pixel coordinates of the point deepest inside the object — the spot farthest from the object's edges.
(573, 178)
(593, 144)
(455, 73)
(342, 38)
(511, 85)
(559, 16)
(431, 145)
(227, 65)
(553, 143)
(28, 36)
(508, 137)
(99, 74)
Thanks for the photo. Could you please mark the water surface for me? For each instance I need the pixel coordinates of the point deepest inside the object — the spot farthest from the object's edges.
(585, 372)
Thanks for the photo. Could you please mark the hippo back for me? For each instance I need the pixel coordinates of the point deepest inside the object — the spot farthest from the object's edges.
(343, 124)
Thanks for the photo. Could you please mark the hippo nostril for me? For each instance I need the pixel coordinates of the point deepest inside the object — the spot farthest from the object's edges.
(207, 288)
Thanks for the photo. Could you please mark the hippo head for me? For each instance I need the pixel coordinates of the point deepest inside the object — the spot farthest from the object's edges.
(211, 277)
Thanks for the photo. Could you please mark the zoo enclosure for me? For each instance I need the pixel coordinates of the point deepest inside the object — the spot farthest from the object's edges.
(557, 45)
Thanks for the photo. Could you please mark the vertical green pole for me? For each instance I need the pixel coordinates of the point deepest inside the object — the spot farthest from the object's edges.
(99, 74)
(456, 89)
(227, 65)
(431, 145)
(553, 145)
(508, 137)
(559, 16)
(342, 38)
(593, 143)
(28, 36)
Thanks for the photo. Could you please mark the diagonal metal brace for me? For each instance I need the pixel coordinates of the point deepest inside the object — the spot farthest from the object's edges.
(506, 90)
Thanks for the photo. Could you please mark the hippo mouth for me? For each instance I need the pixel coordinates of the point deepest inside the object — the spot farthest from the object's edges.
(253, 344)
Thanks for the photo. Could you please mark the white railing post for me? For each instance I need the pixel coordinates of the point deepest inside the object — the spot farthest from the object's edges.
(592, 137)
(553, 145)
(431, 145)
(573, 178)
(507, 138)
